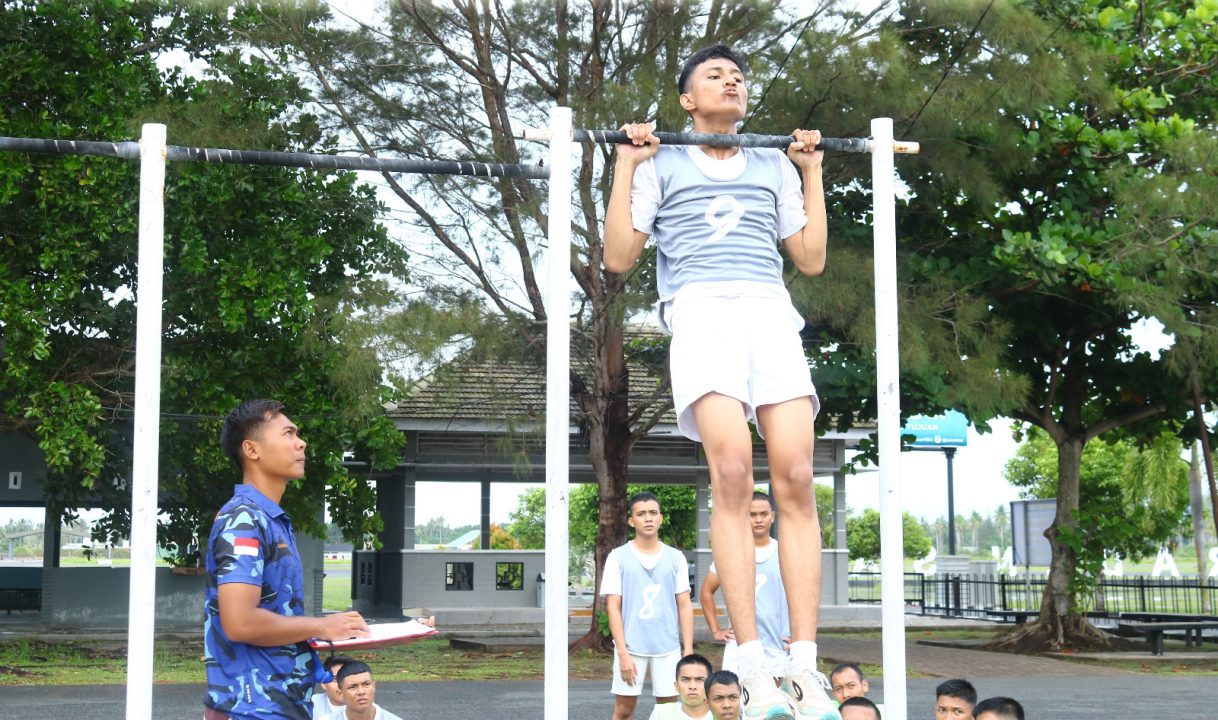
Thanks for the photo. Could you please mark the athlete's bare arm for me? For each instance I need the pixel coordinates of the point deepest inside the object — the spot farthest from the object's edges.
(807, 247)
(624, 244)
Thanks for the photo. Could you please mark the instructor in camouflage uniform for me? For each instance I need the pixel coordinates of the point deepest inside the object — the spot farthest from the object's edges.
(256, 632)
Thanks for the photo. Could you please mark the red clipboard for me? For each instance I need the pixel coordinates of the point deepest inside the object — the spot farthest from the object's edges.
(380, 635)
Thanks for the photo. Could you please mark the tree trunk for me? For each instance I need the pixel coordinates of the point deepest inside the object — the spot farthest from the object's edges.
(1196, 510)
(1060, 626)
(609, 442)
(1057, 606)
(1206, 451)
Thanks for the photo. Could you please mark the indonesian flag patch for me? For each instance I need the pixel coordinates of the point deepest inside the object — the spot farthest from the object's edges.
(246, 546)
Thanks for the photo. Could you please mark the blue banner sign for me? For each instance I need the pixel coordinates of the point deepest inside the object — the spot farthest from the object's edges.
(947, 430)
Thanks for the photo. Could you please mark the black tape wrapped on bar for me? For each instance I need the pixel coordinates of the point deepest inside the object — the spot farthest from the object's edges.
(126, 150)
(129, 150)
(354, 162)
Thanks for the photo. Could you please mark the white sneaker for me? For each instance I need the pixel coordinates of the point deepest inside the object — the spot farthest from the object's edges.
(809, 693)
(760, 699)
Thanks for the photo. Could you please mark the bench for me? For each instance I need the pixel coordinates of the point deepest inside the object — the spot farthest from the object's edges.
(1019, 616)
(1126, 616)
(1154, 631)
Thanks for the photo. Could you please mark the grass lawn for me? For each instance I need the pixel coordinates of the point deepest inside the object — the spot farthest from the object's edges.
(33, 662)
(336, 593)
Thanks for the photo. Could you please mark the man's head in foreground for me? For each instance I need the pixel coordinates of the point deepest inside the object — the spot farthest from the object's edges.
(847, 681)
(998, 708)
(692, 672)
(955, 700)
(357, 686)
(723, 695)
(859, 708)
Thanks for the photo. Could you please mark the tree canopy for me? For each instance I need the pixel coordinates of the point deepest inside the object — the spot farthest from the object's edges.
(863, 536)
(263, 268)
(1132, 498)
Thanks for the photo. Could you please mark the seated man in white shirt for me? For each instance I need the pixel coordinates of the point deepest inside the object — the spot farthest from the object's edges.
(692, 671)
(359, 694)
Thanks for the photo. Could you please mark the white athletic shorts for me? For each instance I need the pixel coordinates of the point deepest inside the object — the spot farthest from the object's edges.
(739, 339)
(775, 660)
(663, 675)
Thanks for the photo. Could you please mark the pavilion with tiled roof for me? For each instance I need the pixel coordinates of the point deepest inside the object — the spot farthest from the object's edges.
(484, 422)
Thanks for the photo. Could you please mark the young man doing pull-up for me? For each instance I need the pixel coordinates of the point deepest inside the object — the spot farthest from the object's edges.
(718, 215)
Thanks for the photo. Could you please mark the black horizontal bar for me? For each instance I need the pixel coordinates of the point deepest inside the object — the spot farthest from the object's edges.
(850, 145)
(129, 150)
(126, 150)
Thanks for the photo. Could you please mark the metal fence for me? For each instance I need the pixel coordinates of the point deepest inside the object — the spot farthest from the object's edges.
(966, 595)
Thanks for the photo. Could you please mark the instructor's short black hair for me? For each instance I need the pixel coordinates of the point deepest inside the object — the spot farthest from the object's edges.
(707, 53)
(243, 423)
(355, 667)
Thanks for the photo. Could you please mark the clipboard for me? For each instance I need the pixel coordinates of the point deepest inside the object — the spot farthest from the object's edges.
(379, 635)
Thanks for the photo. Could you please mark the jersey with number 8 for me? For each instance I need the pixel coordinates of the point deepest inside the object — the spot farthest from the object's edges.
(649, 604)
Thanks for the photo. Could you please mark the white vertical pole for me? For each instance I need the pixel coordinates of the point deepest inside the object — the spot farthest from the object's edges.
(146, 450)
(892, 560)
(558, 412)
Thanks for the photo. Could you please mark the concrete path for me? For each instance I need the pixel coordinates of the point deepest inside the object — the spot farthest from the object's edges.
(946, 662)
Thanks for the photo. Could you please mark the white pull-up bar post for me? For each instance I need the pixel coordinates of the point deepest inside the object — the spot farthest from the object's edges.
(888, 416)
(558, 413)
(141, 613)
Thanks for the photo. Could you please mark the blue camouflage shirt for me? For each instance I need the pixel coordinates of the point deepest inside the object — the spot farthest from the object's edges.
(251, 542)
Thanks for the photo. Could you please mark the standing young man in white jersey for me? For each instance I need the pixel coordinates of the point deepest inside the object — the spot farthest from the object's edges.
(718, 215)
(646, 589)
(773, 617)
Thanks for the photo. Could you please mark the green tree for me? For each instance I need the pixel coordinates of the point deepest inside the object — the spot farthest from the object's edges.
(1134, 498)
(528, 520)
(1065, 193)
(863, 536)
(502, 539)
(824, 513)
(678, 503)
(263, 269)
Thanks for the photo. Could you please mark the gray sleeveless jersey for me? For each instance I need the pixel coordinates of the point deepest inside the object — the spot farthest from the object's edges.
(773, 618)
(710, 230)
(649, 604)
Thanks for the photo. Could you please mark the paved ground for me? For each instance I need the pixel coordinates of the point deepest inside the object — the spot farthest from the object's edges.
(1135, 697)
(1048, 687)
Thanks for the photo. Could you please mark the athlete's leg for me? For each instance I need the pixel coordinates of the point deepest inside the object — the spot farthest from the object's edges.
(626, 696)
(623, 706)
(789, 435)
(728, 445)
